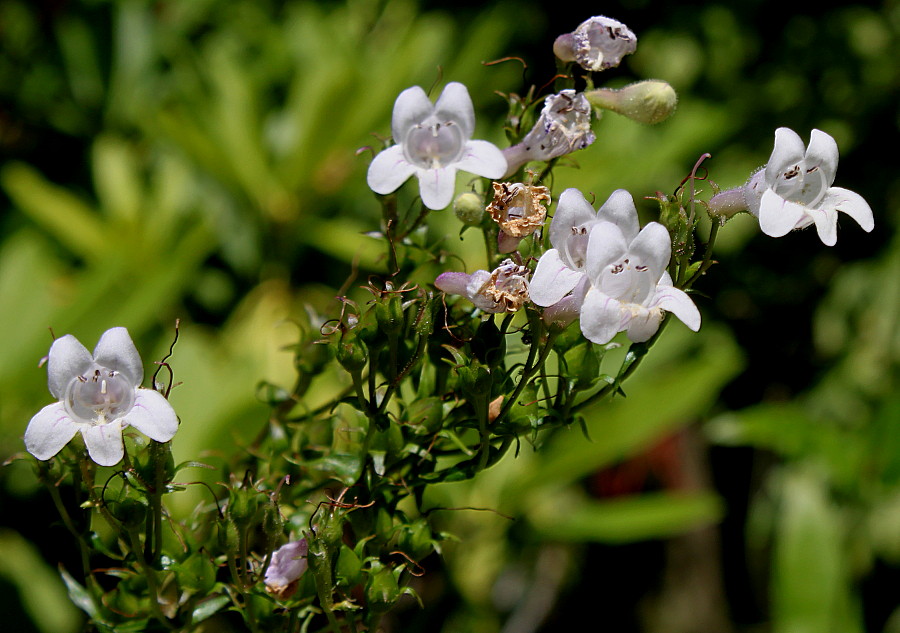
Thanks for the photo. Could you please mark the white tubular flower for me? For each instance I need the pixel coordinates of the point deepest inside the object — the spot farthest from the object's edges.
(563, 127)
(796, 191)
(99, 395)
(562, 267)
(597, 44)
(433, 143)
(288, 564)
(503, 290)
(630, 287)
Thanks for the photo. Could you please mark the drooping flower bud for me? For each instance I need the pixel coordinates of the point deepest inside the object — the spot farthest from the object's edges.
(597, 44)
(519, 211)
(564, 126)
(649, 101)
(287, 565)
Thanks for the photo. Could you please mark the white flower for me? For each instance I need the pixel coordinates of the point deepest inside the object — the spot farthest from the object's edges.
(794, 191)
(287, 565)
(433, 142)
(563, 127)
(597, 44)
(562, 267)
(99, 395)
(503, 290)
(630, 287)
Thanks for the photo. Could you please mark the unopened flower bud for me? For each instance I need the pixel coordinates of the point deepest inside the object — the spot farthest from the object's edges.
(469, 208)
(649, 101)
(597, 44)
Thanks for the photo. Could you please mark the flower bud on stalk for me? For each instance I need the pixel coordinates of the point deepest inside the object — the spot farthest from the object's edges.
(650, 101)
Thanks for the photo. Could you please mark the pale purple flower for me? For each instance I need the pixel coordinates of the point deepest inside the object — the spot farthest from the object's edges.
(288, 564)
(99, 395)
(561, 268)
(433, 142)
(794, 190)
(630, 288)
(564, 126)
(597, 44)
(503, 290)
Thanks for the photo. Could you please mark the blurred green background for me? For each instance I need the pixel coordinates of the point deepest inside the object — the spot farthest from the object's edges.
(198, 160)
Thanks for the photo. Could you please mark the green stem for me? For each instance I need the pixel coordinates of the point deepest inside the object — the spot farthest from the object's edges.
(150, 576)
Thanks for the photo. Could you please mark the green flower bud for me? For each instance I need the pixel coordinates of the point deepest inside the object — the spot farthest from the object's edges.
(131, 512)
(389, 315)
(469, 208)
(351, 352)
(382, 590)
(475, 380)
(649, 101)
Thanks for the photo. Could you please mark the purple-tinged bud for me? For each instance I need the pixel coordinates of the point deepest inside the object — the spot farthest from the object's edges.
(649, 101)
(287, 565)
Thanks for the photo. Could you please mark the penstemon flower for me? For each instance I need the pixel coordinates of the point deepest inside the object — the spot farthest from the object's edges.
(563, 127)
(630, 287)
(99, 395)
(503, 290)
(597, 44)
(561, 268)
(794, 189)
(433, 142)
(288, 564)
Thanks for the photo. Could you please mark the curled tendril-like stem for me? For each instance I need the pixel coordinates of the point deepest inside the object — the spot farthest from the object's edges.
(163, 363)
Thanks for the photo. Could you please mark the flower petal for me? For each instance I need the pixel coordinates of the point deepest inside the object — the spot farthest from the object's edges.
(436, 186)
(389, 170)
(68, 358)
(788, 151)
(411, 108)
(822, 152)
(115, 350)
(455, 104)
(826, 224)
(601, 317)
(552, 279)
(606, 244)
(571, 210)
(777, 216)
(104, 442)
(482, 159)
(677, 302)
(620, 210)
(852, 204)
(152, 415)
(644, 323)
(49, 431)
(453, 283)
(652, 247)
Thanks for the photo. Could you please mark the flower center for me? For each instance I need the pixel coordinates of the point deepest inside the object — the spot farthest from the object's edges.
(576, 246)
(98, 396)
(434, 146)
(802, 183)
(628, 281)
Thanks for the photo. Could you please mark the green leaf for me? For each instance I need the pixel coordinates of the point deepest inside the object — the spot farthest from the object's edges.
(624, 520)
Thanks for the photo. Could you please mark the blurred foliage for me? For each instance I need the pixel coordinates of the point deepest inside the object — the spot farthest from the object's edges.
(197, 160)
